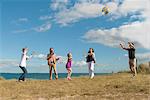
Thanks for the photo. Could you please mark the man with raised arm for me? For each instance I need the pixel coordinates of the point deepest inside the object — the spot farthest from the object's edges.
(131, 55)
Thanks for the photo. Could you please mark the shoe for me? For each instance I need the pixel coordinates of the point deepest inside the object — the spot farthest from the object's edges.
(133, 76)
(20, 80)
(56, 77)
(69, 78)
(91, 77)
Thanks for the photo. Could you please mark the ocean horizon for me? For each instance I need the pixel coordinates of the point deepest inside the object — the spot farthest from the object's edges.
(44, 76)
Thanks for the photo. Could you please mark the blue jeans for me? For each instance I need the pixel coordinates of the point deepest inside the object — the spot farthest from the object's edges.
(23, 75)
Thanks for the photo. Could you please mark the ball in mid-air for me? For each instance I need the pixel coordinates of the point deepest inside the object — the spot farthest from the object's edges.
(105, 10)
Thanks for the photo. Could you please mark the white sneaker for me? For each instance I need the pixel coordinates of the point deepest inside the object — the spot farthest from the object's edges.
(91, 77)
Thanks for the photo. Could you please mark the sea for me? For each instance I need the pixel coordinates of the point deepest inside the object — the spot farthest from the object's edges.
(43, 76)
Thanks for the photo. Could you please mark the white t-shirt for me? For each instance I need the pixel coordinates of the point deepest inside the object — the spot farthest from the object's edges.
(94, 56)
(24, 58)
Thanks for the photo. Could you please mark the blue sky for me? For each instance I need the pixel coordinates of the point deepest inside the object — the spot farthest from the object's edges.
(71, 26)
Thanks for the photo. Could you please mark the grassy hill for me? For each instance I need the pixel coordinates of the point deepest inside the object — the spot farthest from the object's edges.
(120, 86)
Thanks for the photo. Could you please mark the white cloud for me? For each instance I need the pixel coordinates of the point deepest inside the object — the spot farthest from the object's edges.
(20, 31)
(23, 20)
(46, 17)
(83, 9)
(137, 32)
(44, 27)
(39, 56)
(77, 12)
(143, 56)
(12, 66)
(81, 63)
(58, 4)
(8, 62)
(20, 21)
(132, 7)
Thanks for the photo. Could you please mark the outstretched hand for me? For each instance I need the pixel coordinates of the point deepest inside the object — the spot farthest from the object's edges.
(121, 44)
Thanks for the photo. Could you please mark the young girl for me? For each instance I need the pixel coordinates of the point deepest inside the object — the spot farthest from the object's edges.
(68, 65)
(90, 59)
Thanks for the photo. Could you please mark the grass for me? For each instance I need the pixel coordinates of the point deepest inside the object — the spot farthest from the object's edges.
(119, 86)
(1, 78)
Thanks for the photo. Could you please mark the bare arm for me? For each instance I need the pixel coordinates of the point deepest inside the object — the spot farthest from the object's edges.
(121, 45)
(28, 57)
(93, 55)
(48, 56)
(133, 47)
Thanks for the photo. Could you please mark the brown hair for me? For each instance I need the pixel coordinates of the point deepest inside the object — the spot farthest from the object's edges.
(23, 49)
(92, 50)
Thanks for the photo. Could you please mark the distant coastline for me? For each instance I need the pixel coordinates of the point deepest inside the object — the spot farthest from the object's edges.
(44, 76)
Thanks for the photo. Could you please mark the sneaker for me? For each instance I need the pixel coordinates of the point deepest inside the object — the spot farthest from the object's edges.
(20, 80)
(91, 77)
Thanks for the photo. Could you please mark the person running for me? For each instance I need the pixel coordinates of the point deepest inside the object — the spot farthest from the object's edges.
(22, 64)
(68, 65)
(51, 58)
(131, 55)
(90, 59)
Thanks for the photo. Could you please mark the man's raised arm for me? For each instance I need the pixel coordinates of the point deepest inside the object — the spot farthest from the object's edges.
(121, 45)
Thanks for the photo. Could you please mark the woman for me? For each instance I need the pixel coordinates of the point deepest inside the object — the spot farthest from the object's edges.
(90, 59)
(51, 58)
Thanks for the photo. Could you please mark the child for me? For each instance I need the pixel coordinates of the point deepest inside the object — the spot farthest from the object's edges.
(90, 59)
(22, 64)
(68, 65)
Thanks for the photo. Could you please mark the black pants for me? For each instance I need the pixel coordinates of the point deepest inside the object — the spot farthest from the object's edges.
(23, 75)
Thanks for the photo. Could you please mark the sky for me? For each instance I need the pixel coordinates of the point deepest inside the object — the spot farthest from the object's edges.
(73, 26)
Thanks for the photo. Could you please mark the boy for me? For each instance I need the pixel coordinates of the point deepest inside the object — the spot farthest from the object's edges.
(22, 64)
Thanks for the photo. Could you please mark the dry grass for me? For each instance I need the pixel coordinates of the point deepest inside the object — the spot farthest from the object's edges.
(1, 78)
(116, 87)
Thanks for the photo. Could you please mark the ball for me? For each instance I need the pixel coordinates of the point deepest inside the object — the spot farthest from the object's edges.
(105, 10)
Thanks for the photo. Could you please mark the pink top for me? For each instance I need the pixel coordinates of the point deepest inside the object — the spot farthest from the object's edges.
(69, 63)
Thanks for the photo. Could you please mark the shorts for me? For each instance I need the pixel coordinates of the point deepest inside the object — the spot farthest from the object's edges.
(132, 62)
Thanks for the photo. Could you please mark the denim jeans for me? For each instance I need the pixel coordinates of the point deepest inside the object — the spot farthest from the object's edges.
(23, 75)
